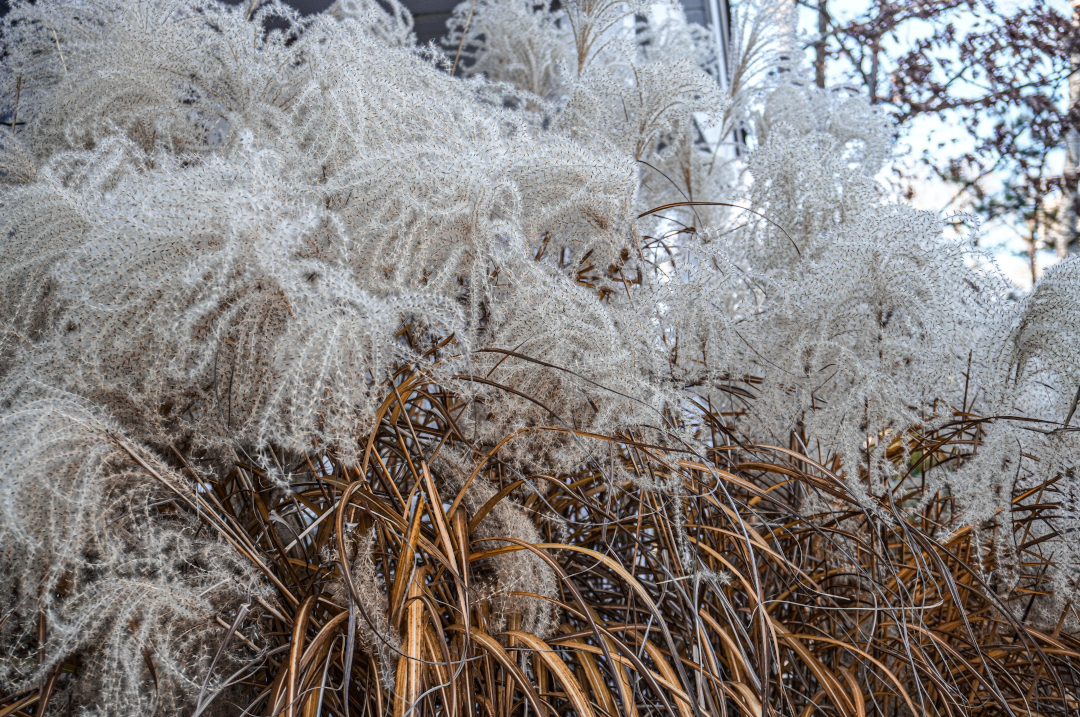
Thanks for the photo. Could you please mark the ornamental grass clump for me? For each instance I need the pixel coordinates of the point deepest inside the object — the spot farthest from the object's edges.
(542, 373)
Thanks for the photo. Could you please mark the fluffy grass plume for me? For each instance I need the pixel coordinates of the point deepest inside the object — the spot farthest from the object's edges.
(568, 369)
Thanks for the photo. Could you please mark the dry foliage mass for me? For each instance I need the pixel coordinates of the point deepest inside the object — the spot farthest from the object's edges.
(569, 369)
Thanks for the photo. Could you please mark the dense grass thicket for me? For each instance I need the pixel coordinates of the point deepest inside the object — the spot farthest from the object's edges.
(568, 369)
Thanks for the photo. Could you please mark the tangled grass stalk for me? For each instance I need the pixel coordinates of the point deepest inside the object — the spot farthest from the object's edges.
(433, 578)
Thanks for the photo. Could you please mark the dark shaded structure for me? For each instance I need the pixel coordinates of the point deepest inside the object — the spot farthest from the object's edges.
(431, 15)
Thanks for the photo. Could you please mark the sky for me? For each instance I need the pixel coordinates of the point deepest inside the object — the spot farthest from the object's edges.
(1001, 237)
